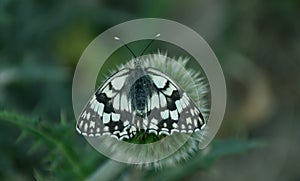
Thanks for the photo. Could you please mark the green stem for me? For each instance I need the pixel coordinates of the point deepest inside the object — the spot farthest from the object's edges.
(107, 172)
(22, 122)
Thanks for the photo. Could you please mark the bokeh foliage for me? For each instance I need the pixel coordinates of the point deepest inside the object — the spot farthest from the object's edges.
(257, 43)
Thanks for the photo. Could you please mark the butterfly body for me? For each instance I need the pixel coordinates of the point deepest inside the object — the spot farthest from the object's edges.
(140, 90)
(138, 98)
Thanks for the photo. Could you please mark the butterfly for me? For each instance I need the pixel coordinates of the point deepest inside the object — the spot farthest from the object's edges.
(139, 99)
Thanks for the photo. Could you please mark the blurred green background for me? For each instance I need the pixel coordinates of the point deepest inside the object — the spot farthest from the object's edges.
(257, 43)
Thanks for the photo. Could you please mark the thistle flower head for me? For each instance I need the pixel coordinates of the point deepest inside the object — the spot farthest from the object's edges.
(147, 150)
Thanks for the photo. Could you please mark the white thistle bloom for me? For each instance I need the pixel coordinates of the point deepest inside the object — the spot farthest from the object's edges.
(174, 148)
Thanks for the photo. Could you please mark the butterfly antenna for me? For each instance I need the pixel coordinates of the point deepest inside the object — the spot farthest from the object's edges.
(117, 38)
(156, 36)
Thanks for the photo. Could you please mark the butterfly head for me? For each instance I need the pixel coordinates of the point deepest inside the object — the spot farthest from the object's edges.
(137, 60)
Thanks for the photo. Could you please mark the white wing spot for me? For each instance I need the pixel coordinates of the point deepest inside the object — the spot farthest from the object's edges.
(116, 102)
(88, 115)
(168, 91)
(116, 132)
(95, 106)
(108, 92)
(165, 124)
(123, 133)
(129, 103)
(149, 105)
(178, 106)
(185, 99)
(190, 131)
(92, 124)
(154, 121)
(132, 129)
(100, 109)
(175, 125)
(153, 131)
(164, 114)
(195, 122)
(153, 127)
(124, 136)
(154, 101)
(164, 132)
(83, 115)
(174, 131)
(165, 129)
(80, 124)
(78, 130)
(118, 82)
(174, 115)
(106, 128)
(115, 117)
(106, 118)
(159, 81)
(124, 103)
(126, 123)
(162, 99)
(183, 105)
(192, 112)
(139, 123)
(183, 126)
(114, 136)
(145, 123)
(86, 126)
(202, 127)
(188, 120)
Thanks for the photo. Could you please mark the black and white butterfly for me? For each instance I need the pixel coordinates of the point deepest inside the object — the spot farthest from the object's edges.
(136, 99)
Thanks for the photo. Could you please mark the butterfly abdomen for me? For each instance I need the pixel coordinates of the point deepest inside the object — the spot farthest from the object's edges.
(140, 93)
